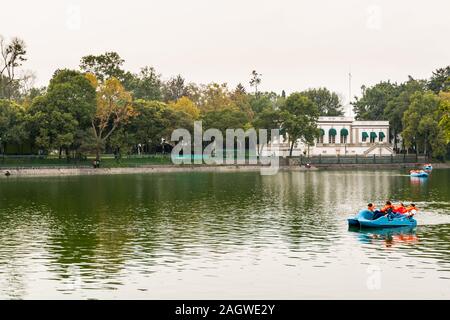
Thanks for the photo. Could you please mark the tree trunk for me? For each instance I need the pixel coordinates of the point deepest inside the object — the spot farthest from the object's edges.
(425, 147)
(395, 140)
(292, 147)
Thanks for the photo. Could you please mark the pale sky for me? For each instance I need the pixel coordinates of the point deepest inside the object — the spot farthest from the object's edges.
(294, 44)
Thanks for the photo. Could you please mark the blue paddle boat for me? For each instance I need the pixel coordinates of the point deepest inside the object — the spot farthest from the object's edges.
(418, 173)
(428, 167)
(364, 219)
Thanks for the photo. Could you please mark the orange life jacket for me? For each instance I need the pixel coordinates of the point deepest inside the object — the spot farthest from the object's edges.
(399, 209)
(387, 207)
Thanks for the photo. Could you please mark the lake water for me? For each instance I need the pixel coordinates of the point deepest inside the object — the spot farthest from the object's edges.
(221, 235)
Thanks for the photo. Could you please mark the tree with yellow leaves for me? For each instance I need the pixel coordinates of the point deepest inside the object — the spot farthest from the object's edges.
(114, 108)
(216, 97)
(186, 105)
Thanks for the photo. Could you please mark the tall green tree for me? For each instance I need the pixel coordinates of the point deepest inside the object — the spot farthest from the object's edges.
(374, 101)
(147, 84)
(12, 124)
(398, 104)
(440, 80)
(299, 116)
(58, 118)
(328, 102)
(105, 66)
(225, 119)
(174, 88)
(420, 123)
(444, 107)
(241, 99)
(265, 100)
(267, 119)
(51, 126)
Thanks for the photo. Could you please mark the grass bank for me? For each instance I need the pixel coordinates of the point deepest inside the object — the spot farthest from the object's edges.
(107, 161)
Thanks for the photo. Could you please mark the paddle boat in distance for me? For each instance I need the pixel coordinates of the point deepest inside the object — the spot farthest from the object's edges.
(364, 219)
(418, 173)
(427, 167)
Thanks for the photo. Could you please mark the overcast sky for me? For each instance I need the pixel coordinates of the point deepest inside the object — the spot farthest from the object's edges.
(294, 44)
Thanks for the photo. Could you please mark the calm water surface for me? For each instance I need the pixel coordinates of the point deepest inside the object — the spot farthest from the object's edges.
(221, 235)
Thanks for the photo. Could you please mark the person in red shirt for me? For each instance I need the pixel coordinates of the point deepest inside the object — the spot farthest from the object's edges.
(400, 209)
(385, 210)
(411, 210)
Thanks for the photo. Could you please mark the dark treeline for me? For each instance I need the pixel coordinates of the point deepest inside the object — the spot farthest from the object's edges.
(101, 107)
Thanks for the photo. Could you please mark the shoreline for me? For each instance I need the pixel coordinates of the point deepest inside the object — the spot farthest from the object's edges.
(81, 171)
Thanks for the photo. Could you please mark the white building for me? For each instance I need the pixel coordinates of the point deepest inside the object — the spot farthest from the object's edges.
(341, 136)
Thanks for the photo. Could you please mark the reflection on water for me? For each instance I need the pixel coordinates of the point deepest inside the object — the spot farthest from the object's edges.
(386, 236)
(219, 235)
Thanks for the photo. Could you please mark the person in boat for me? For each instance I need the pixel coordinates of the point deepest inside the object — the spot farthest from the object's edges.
(385, 210)
(398, 211)
(371, 207)
(411, 210)
(401, 209)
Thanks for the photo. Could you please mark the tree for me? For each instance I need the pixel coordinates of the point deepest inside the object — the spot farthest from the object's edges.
(12, 57)
(224, 119)
(241, 100)
(148, 126)
(240, 89)
(114, 108)
(174, 89)
(267, 119)
(12, 125)
(105, 66)
(374, 100)
(440, 80)
(50, 125)
(147, 84)
(255, 81)
(328, 102)
(444, 107)
(216, 97)
(186, 105)
(58, 118)
(420, 123)
(299, 116)
(73, 93)
(265, 100)
(398, 104)
(194, 93)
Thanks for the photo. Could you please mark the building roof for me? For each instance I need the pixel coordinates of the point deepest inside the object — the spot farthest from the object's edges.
(352, 121)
